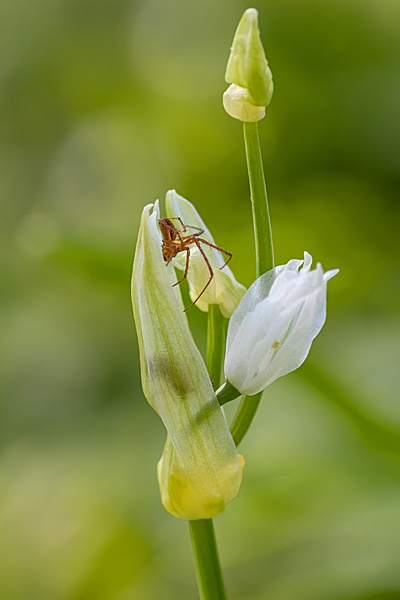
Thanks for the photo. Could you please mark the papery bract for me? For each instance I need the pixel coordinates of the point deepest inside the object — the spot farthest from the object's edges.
(200, 470)
(271, 331)
(223, 290)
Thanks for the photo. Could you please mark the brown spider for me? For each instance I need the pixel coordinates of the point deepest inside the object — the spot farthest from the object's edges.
(174, 242)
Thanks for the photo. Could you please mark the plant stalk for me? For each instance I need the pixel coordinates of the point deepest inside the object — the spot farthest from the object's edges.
(216, 333)
(244, 417)
(208, 569)
(259, 201)
(264, 254)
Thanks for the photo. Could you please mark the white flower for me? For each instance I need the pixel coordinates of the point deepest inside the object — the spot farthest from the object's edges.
(271, 331)
(223, 289)
(200, 470)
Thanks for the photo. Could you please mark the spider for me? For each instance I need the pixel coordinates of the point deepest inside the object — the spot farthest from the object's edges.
(174, 242)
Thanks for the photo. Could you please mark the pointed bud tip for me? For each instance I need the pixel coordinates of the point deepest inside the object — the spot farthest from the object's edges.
(250, 13)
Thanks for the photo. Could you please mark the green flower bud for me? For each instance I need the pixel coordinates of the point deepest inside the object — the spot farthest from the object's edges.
(248, 72)
(223, 290)
(200, 470)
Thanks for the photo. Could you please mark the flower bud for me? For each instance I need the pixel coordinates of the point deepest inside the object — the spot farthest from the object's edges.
(200, 470)
(223, 289)
(271, 331)
(248, 72)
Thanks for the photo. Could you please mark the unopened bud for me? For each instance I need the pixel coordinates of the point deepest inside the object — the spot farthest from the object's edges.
(248, 72)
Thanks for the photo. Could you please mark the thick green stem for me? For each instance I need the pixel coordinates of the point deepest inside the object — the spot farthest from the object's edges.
(216, 333)
(264, 254)
(208, 569)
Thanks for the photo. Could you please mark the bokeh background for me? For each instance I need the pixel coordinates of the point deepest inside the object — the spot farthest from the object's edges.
(105, 105)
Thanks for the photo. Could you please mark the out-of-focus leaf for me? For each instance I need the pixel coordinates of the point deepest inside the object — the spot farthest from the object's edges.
(116, 565)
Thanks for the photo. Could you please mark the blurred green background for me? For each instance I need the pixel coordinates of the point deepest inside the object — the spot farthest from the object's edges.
(105, 105)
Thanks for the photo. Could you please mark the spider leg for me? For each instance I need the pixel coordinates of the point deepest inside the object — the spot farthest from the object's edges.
(184, 227)
(200, 231)
(203, 241)
(196, 241)
(181, 222)
(186, 268)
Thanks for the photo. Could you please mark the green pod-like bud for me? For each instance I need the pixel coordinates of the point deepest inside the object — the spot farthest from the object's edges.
(248, 72)
(200, 470)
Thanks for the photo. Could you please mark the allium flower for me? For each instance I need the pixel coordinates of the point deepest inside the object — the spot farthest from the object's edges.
(200, 470)
(271, 331)
(248, 72)
(223, 290)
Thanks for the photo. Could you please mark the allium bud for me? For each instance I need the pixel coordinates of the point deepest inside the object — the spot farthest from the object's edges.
(200, 470)
(248, 72)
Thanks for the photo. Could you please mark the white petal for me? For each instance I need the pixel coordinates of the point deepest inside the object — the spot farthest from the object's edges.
(259, 290)
(307, 261)
(329, 274)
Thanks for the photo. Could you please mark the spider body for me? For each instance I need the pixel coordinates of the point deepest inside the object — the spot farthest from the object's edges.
(174, 241)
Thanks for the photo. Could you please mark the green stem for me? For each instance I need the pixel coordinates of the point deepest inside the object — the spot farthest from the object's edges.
(259, 201)
(208, 569)
(244, 417)
(264, 254)
(216, 333)
(227, 393)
